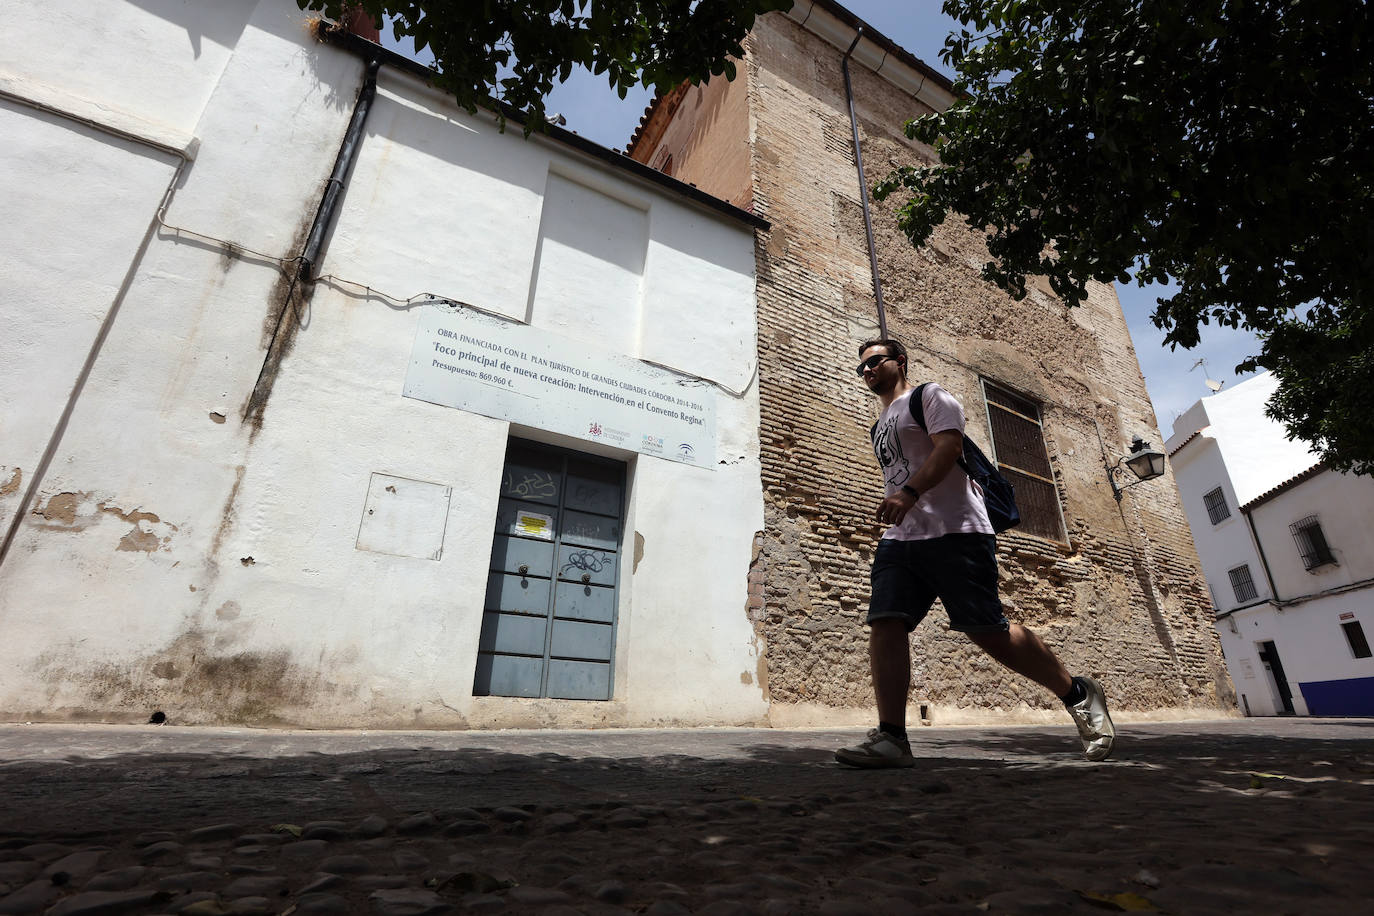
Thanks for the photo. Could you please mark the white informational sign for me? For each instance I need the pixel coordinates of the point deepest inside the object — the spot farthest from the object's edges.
(514, 372)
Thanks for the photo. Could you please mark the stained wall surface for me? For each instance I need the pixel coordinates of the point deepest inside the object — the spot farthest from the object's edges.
(1120, 596)
(195, 543)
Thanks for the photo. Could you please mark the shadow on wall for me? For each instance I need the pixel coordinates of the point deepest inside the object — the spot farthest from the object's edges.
(221, 22)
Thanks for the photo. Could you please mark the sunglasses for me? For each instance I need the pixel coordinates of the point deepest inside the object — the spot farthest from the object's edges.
(872, 362)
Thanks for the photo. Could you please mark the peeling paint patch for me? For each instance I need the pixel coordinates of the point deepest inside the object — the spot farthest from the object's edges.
(64, 510)
(639, 552)
(229, 610)
(746, 678)
(77, 511)
(216, 416)
(12, 485)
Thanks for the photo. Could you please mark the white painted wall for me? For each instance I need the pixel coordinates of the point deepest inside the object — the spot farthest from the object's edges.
(185, 560)
(1245, 453)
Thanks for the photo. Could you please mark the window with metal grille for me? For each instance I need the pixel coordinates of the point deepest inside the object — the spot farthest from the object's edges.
(1216, 505)
(1311, 542)
(1354, 634)
(1018, 447)
(1242, 584)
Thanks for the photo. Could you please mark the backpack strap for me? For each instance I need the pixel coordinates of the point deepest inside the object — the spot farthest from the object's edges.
(918, 413)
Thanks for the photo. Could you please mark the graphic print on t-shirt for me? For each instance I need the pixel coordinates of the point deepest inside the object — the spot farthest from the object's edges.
(887, 445)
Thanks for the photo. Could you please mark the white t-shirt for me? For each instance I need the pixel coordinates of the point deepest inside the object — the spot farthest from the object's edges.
(953, 505)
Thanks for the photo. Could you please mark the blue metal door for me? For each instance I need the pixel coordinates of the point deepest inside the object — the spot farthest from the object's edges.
(548, 623)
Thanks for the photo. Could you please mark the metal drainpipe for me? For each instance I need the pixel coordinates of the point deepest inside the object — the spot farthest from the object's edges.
(324, 215)
(863, 186)
(1254, 535)
(348, 151)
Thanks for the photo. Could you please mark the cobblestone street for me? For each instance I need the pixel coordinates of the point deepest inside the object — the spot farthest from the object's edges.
(1256, 815)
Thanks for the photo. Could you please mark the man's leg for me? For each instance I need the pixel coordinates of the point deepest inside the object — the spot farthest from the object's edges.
(1025, 653)
(889, 661)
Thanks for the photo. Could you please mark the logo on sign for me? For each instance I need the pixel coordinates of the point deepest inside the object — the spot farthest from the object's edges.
(686, 451)
(652, 444)
(594, 429)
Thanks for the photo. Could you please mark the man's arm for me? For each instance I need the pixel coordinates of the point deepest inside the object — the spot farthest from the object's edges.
(948, 446)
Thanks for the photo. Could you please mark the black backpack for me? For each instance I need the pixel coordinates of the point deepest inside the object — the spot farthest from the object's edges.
(998, 494)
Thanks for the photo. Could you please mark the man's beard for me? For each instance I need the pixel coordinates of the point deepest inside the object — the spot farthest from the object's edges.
(878, 386)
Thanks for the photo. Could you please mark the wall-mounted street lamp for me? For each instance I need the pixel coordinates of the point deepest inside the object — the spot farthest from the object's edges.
(1144, 462)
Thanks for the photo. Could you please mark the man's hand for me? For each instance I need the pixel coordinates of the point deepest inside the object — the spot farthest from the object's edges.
(894, 508)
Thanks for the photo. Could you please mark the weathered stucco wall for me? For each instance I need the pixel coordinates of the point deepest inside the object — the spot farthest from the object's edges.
(192, 546)
(1122, 599)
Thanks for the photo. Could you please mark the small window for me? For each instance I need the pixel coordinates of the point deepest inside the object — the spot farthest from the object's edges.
(1242, 584)
(1354, 634)
(1018, 447)
(1216, 506)
(1311, 543)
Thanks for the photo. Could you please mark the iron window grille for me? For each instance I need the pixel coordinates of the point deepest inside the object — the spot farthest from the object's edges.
(1018, 447)
(1242, 584)
(1354, 634)
(1217, 510)
(1311, 542)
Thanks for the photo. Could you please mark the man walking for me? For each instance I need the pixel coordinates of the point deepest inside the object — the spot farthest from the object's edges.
(940, 544)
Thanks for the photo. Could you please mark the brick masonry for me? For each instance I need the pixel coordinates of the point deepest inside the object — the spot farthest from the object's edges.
(1123, 599)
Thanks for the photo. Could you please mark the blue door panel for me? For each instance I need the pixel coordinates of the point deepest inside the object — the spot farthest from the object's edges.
(515, 634)
(508, 676)
(587, 495)
(576, 639)
(517, 593)
(590, 530)
(584, 602)
(598, 566)
(508, 554)
(535, 484)
(579, 680)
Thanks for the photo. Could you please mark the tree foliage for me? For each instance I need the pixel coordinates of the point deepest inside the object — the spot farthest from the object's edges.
(514, 51)
(1226, 144)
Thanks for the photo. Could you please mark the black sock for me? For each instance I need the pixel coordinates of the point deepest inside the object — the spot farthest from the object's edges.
(1077, 693)
(895, 731)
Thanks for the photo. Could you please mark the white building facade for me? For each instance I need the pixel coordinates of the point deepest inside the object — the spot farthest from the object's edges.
(1287, 547)
(324, 403)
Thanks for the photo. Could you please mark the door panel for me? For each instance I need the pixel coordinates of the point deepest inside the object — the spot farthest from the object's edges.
(584, 602)
(514, 634)
(517, 593)
(508, 676)
(575, 639)
(598, 566)
(508, 554)
(579, 680)
(590, 530)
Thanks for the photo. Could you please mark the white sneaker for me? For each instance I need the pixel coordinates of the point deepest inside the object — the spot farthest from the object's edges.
(1093, 721)
(879, 749)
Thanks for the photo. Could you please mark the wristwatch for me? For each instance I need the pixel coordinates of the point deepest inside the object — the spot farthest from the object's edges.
(915, 494)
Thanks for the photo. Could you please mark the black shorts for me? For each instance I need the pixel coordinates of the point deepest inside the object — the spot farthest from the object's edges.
(959, 569)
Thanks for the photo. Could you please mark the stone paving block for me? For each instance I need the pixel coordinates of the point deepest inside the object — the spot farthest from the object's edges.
(408, 902)
(215, 833)
(33, 897)
(255, 886)
(107, 903)
(119, 879)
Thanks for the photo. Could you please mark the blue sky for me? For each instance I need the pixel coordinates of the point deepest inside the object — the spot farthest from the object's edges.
(596, 112)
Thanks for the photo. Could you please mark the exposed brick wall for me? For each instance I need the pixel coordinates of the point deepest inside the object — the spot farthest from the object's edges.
(1123, 598)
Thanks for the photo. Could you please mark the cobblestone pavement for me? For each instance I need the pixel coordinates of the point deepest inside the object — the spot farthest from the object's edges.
(1254, 816)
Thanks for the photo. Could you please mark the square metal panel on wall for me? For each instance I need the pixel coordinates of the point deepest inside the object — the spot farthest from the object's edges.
(404, 518)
